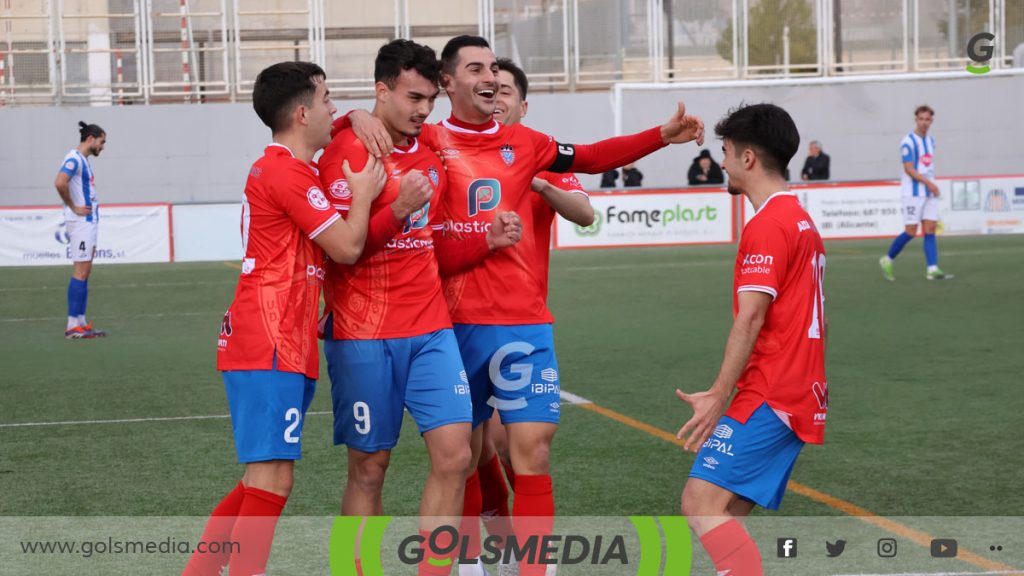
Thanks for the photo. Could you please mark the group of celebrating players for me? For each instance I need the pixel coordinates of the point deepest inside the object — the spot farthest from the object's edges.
(430, 243)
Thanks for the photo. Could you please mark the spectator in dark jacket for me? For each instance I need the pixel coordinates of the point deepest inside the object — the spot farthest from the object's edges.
(704, 170)
(817, 163)
(631, 177)
(609, 178)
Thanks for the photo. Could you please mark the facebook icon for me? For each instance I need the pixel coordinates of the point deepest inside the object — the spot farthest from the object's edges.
(787, 547)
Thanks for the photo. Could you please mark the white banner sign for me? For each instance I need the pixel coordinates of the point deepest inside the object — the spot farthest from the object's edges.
(986, 205)
(983, 205)
(854, 211)
(208, 232)
(129, 233)
(655, 218)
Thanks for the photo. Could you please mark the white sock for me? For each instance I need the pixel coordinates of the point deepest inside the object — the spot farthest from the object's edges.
(475, 569)
(72, 322)
(933, 268)
(81, 320)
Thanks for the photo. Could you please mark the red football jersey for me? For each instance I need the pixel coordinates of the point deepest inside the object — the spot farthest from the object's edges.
(278, 295)
(781, 254)
(394, 291)
(490, 168)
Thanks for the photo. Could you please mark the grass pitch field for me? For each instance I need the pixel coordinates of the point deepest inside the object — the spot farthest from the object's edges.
(926, 404)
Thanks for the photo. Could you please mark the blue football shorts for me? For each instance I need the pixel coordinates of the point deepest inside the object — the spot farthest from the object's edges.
(512, 369)
(373, 381)
(753, 460)
(268, 408)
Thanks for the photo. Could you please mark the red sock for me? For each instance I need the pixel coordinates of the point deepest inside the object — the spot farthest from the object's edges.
(254, 531)
(533, 514)
(732, 550)
(471, 508)
(218, 529)
(425, 568)
(494, 495)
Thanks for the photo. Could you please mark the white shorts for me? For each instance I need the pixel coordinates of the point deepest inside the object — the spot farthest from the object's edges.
(82, 236)
(918, 208)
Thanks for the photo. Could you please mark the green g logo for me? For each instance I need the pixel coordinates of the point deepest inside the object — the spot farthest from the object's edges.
(982, 53)
(592, 230)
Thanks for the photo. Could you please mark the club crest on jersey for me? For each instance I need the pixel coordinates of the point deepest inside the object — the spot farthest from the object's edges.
(926, 160)
(433, 175)
(317, 199)
(508, 154)
(484, 195)
(340, 190)
(417, 219)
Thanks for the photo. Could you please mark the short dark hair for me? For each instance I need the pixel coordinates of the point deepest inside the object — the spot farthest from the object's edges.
(924, 108)
(766, 128)
(280, 88)
(87, 130)
(517, 73)
(399, 55)
(450, 54)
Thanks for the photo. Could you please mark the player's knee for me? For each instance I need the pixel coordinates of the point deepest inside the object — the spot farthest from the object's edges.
(536, 458)
(276, 477)
(283, 484)
(694, 507)
(687, 506)
(369, 474)
(456, 460)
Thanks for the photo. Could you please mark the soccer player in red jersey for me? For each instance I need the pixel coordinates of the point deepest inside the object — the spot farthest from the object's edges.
(775, 354)
(505, 336)
(388, 336)
(267, 348)
(556, 193)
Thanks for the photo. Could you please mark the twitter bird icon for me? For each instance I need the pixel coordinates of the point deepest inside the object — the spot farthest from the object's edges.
(834, 550)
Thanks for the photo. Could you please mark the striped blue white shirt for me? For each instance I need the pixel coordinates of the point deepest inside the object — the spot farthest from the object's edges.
(920, 152)
(82, 186)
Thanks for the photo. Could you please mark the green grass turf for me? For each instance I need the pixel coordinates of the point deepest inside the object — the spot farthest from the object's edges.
(924, 380)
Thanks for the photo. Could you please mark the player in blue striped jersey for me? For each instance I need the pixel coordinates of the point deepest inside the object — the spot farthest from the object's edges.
(920, 197)
(76, 185)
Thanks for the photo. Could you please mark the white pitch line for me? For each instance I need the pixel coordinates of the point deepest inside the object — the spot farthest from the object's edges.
(130, 420)
(157, 315)
(135, 285)
(566, 396)
(574, 399)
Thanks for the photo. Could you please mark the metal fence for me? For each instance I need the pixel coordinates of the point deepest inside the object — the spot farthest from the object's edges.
(143, 51)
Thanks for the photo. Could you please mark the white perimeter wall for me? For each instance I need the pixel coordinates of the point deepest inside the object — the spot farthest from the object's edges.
(201, 153)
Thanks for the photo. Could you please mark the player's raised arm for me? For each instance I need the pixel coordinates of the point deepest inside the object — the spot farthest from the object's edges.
(621, 150)
(567, 198)
(344, 239)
